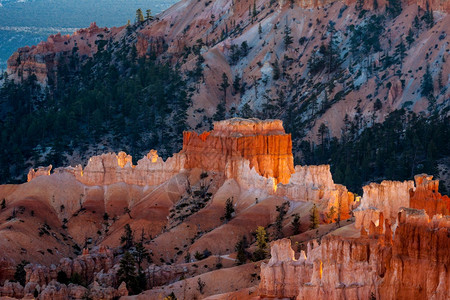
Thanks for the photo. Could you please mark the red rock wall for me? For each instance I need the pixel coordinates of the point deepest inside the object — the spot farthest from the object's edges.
(412, 266)
(263, 143)
(426, 196)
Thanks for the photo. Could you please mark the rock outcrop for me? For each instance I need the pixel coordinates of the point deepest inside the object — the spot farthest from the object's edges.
(225, 149)
(373, 265)
(263, 142)
(110, 168)
(87, 266)
(426, 196)
(96, 267)
(283, 274)
(389, 196)
(315, 183)
(38, 172)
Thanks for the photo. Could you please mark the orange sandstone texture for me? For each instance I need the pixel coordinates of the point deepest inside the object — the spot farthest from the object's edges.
(357, 268)
(263, 142)
(426, 196)
(388, 197)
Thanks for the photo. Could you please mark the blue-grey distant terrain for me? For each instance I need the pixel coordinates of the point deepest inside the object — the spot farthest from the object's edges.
(27, 22)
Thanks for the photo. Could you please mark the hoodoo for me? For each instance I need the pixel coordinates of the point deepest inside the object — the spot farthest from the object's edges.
(78, 215)
(263, 142)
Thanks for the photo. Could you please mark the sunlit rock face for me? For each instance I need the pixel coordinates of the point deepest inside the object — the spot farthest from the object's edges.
(426, 196)
(263, 142)
(110, 168)
(255, 153)
(226, 149)
(376, 264)
(387, 197)
(38, 172)
(283, 274)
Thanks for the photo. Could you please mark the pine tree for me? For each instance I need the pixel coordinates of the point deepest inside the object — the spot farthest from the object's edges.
(429, 16)
(314, 217)
(127, 273)
(440, 79)
(3, 205)
(394, 7)
(224, 85)
(427, 87)
(229, 209)
(261, 241)
(139, 16)
(148, 14)
(219, 115)
(288, 39)
(20, 274)
(282, 211)
(417, 23)
(244, 48)
(331, 213)
(127, 238)
(237, 83)
(141, 253)
(400, 51)
(276, 70)
(322, 132)
(410, 37)
(295, 224)
(260, 30)
(332, 54)
(246, 111)
(241, 252)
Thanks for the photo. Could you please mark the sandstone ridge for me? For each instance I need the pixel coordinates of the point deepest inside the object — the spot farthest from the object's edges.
(255, 153)
(376, 264)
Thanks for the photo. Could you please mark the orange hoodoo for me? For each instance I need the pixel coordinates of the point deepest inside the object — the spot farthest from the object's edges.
(263, 142)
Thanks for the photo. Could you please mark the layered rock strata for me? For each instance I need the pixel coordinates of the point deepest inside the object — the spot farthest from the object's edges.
(263, 142)
(389, 196)
(426, 196)
(377, 264)
(225, 149)
(256, 154)
(110, 168)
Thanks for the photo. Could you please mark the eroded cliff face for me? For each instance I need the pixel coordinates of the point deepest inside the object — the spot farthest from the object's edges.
(389, 196)
(315, 183)
(263, 143)
(375, 264)
(110, 168)
(426, 196)
(255, 153)
(386, 197)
